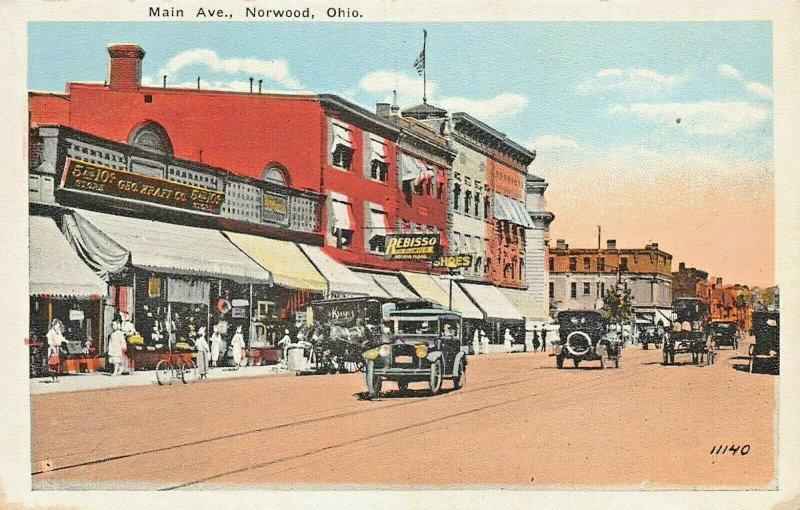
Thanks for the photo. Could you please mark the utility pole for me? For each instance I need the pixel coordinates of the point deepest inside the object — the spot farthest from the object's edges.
(598, 237)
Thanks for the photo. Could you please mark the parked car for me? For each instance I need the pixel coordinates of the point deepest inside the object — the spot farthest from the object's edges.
(725, 333)
(766, 330)
(584, 335)
(419, 345)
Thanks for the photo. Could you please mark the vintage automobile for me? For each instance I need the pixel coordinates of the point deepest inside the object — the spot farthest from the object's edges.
(418, 345)
(724, 333)
(766, 330)
(584, 335)
(689, 333)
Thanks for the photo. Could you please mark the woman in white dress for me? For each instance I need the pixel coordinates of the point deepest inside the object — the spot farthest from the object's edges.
(476, 342)
(237, 347)
(484, 342)
(116, 348)
(203, 350)
(216, 344)
(508, 341)
(55, 338)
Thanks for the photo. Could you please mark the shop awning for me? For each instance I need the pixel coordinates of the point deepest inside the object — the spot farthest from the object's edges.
(523, 300)
(55, 268)
(435, 288)
(493, 303)
(504, 208)
(288, 265)
(461, 301)
(169, 248)
(426, 287)
(341, 280)
(391, 285)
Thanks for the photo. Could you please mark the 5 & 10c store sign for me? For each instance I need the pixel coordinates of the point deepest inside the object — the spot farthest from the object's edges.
(102, 180)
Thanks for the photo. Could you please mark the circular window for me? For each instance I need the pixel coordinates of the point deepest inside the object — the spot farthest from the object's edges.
(275, 173)
(151, 136)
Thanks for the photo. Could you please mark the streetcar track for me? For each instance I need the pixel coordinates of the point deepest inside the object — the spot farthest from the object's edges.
(280, 426)
(383, 433)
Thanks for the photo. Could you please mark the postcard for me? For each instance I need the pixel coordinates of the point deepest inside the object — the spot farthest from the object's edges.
(402, 254)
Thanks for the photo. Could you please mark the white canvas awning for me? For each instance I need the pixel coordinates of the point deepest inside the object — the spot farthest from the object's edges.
(176, 249)
(437, 289)
(523, 300)
(55, 268)
(342, 211)
(342, 135)
(504, 208)
(461, 301)
(493, 303)
(377, 149)
(392, 285)
(341, 280)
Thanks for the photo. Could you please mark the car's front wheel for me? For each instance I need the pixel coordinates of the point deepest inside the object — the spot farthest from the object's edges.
(437, 374)
(461, 376)
(373, 380)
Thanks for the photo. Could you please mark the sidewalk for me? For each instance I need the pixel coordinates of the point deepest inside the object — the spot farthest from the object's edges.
(102, 380)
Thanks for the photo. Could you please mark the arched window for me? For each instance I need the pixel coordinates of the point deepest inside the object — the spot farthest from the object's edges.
(275, 173)
(151, 136)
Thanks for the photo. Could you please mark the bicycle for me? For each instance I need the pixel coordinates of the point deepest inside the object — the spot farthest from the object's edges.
(171, 368)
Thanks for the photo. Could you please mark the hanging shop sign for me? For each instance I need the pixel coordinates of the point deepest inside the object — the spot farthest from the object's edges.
(102, 180)
(274, 207)
(453, 261)
(411, 246)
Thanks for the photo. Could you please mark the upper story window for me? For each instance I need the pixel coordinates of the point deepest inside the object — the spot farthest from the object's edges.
(150, 136)
(587, 263)
(456, 196)
(623, 264)
(486, 207)
(341, 221)
(377, 164)
(377, 226)
(342, 147)
(551, 264)
(467, 201)
(477, 205)
(573, 264)
(601, 264)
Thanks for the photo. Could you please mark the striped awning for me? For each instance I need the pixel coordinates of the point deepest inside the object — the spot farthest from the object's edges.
(493, 303)
(55, 268)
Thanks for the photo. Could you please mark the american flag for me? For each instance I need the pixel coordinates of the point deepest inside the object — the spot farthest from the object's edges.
(419, 64)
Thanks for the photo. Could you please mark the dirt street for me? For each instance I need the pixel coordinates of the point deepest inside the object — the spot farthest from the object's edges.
(518, 422)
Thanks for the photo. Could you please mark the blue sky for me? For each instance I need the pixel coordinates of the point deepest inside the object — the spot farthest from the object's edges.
(594, 99)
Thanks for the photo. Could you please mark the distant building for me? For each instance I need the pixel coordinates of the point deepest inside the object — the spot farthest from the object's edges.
(690, 282)
(580, 277)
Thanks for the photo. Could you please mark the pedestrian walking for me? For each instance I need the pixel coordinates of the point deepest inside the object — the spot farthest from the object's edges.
(283, 344)
(237, 347)
(544, 338)
(216, 344)
(203, 351)
(116, 348)
(508, 341)
(476, 342)
(55, 339)
(535, 339)
(484, 343)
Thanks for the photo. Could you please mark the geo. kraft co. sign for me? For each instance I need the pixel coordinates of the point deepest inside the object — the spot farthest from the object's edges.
(79, 175)
(411, 246)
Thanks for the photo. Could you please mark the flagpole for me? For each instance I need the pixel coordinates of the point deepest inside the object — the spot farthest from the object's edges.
(424, 65)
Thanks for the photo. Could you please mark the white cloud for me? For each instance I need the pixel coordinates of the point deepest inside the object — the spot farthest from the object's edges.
(635, 80)
(753, 87)
(759, 89)
(275, 70)
(498, 107)
(384, 82)
(726, 70)
(551, 142)
(702, 118)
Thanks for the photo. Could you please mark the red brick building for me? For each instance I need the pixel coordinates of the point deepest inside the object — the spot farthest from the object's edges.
(318, 143)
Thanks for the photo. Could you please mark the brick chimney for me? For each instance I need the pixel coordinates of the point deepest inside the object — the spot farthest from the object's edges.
(561, 244)
(125, 66)
(383, 109)
(682, 266)
(611, 244)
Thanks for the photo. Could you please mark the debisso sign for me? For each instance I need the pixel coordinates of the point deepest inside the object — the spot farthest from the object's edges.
(411, 246)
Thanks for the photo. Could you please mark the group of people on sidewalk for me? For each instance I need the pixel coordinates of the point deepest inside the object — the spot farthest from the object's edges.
(208, 355)
(480, 341)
